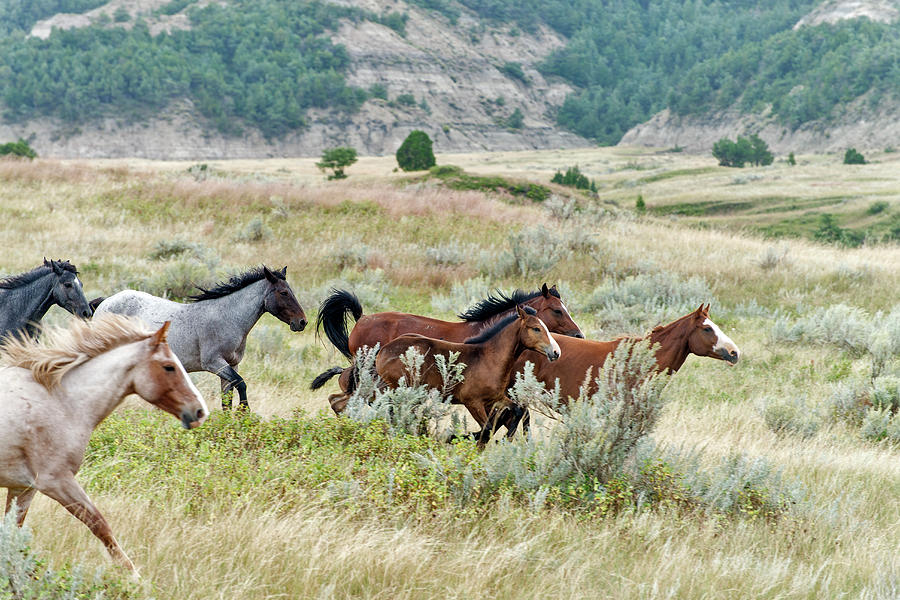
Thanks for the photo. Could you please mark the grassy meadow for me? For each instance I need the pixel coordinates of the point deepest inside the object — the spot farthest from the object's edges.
(292, 502)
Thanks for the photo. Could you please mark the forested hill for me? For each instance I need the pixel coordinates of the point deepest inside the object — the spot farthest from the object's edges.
(260, 77)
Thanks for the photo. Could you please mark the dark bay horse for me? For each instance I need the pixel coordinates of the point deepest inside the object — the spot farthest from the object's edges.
(26, 298)
(381, 328)
(489, 360)
(694, 333)
(210, 333)
(54, 393)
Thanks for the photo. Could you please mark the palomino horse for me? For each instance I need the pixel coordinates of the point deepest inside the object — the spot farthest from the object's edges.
(489, 360)
(54, 394)
(381, 328)
(694, 333)
(26, 298)
(210, 334)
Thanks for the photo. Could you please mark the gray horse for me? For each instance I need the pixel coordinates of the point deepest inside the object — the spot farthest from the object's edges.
(210, 333)
(26, 298)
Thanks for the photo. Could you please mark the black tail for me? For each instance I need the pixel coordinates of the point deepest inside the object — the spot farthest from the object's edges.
(96, 302)
(333, 318)
(323, 378)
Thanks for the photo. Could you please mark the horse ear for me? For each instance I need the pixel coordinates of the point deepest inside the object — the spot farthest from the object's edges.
(553, 289)
(160, 336)
(284, 271)
(55, 266)
(545, 291)
(269, 274)
(521, 311)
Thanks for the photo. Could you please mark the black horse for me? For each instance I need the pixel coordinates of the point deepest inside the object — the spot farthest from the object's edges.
(26, 298)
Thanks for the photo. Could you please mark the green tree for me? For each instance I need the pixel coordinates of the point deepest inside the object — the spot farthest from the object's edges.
(759, 152)
(18, 148)
(337, 159)
(516, 120)
(415, 153)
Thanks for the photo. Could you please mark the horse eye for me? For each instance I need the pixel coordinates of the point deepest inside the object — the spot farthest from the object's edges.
(169, 368)
(707, 329)
(67, 284)
(556, 311)
(283, 292)
(535, 328)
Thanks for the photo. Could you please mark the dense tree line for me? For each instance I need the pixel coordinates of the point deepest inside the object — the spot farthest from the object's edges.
(21, 15)
(260, 62)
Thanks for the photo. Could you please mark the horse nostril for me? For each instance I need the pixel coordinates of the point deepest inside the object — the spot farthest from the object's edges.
(200, 413)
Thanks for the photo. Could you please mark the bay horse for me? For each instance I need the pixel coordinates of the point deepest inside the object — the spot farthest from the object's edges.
(489, 360)
(26, 298)
(381, 328)
(210, 333)
(54, 393)
(694, 333)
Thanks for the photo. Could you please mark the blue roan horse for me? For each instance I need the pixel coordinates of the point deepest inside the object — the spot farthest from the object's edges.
(210, 333)
(26, 298)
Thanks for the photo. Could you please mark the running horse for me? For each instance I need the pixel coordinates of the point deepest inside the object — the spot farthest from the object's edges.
(54, 393)
(489, 360)
(26, 298)
(694, 333)
(210, 333)
(381, 328)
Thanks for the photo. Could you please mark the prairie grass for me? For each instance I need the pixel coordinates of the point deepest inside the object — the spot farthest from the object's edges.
(111, 218)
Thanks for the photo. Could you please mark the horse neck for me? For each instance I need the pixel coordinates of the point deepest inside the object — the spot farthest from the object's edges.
(673, 346)
(94, 389)
(504, 348)
(477, 327)
(29, 303)
(242, 307)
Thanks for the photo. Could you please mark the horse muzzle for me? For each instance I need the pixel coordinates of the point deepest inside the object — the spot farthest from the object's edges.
(298, 324)
(729, 356)
(191, 419)
(575, 333)
(552, 354)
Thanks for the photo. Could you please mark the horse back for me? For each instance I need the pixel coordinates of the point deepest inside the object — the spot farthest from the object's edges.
(576, 357)
(381, 328)
(390, 367)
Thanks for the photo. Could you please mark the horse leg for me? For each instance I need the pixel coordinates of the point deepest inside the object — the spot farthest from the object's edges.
(231, 380)
(69, 493)
(22, 497)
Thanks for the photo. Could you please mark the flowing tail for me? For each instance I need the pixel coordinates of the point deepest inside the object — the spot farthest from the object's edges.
(332, 319)
(323, 378)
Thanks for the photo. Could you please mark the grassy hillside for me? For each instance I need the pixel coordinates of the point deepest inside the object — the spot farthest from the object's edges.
(296, 502)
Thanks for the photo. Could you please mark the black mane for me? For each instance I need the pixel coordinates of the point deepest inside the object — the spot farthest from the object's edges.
(234, 283)
(15, 281)
(498, 327)
(499, 302)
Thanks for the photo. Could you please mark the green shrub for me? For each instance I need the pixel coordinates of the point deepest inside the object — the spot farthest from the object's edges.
(852, 157)
(337, 159)
(18, 148)
(751, 150)
(792, 416)
(514, 70)
(877, 207)
(255, 231)
(406, 100)
(573, 177)
(415, 153)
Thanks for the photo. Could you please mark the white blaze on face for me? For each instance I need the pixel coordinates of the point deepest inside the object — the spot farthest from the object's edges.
(193, 388)
(723, 342)
(553, 343)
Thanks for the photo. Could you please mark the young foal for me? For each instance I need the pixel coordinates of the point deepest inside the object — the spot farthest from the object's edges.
(53, 394)
(488, 358)
(693, 333)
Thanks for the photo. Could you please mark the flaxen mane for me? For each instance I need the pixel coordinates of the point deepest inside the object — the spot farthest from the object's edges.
(61, 350)
(234, 284)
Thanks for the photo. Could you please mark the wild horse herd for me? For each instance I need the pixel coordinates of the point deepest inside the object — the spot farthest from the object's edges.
(54, 391)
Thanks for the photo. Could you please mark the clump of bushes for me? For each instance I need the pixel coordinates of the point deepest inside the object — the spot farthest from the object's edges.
(18, 148)
(752, 150)
(853, 157)
(573, 177)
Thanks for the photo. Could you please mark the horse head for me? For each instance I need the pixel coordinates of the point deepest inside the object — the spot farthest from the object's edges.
(533, 334)
(551, 310)
(161, 380)
(68, 292)
(706, 339)
(280, 301)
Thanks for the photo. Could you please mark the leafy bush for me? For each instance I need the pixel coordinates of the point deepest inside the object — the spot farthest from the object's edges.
(18, 148)
(536, 250)
(415, 153)
(462, 295)
(255, 231)
(406, 100)
(791, 415)
(448, 254)
(852, 157)
(514, 70)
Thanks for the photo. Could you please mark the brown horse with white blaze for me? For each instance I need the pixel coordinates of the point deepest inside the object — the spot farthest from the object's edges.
(694, 333)
(381, 328)
(54, 393)
(489, 360)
